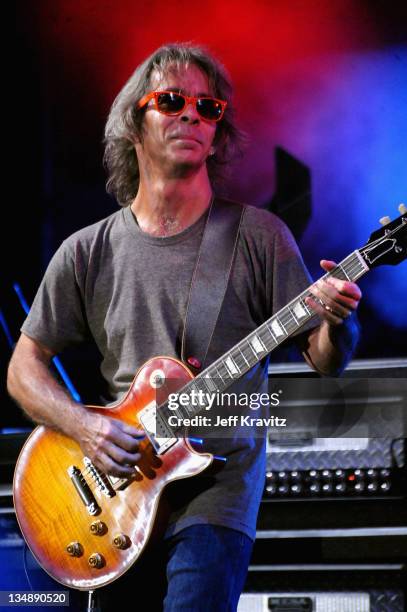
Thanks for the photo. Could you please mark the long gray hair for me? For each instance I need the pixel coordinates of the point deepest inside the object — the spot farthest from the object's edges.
(125, 121)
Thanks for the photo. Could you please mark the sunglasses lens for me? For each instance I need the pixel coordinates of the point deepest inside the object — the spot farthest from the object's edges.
(209, 108)
(170, 102)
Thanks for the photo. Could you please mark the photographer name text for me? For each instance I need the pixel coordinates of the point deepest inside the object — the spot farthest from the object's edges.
(230, 421)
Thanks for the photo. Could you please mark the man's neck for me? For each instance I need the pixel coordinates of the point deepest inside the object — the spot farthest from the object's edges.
(167, 207)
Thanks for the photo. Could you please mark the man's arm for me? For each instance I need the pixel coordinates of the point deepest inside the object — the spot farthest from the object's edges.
(110, 444)
(329, 347)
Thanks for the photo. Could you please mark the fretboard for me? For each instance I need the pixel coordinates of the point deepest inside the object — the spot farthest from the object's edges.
(253, 348)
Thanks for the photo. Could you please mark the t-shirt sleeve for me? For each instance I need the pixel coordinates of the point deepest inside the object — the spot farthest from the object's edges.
(56, 318)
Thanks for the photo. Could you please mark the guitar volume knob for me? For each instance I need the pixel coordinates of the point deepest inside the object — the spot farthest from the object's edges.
(74, 549)
(98, 528)
(96, 560)
(121, 541)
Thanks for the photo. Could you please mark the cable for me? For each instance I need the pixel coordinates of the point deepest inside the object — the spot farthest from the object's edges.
(25, 565)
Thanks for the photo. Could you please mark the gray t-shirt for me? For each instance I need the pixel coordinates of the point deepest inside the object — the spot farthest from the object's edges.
(129, 291)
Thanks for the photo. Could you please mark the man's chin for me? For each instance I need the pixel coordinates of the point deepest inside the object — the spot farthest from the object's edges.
(187, 164)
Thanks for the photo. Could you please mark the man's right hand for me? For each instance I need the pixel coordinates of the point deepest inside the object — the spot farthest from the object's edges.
(111, 445)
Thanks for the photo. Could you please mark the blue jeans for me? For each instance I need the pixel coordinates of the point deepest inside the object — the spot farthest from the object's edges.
(200, 569)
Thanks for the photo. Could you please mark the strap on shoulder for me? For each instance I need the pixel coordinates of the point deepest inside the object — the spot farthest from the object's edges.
(210, 278)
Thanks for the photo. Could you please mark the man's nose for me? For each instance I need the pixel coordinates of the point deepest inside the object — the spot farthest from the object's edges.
(190, 114)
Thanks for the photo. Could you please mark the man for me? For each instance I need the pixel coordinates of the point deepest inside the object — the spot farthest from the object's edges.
(125, 280)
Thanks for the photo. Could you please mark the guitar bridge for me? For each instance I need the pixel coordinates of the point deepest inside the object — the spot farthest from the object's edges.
(99, 478)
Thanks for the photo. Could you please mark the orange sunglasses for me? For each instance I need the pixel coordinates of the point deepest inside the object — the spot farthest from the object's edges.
(173, 103)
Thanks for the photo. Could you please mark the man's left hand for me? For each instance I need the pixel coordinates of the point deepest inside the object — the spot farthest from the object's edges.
(333, 299)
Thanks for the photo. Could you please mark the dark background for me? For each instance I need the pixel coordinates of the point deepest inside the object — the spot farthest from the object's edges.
(321, 90)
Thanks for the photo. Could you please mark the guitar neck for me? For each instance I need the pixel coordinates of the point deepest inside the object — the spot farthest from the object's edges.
(254, 347)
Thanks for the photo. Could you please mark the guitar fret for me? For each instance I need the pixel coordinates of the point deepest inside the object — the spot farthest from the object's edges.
(238, 359)
(203, 382)
(192, 386)
(354, 268)
(246, 351)
(284, 318)
(288, 321)
(271, 332)
(358, 265)
(253, 351)
(231, 366)
(181, 411)
(360, 271)
(264, 335)
(293, 315)
(200, 384)
(249, 353)
(257, 345)
(219, 374)
(225, 373)
(349, 275)
(242, 354)
(350, 260)
(299, 310)
(337, 273)
(344, 269)
(209, 382)
(344, 272)
(305, 306)
(348, 268)
(356, 271)
(276, 327)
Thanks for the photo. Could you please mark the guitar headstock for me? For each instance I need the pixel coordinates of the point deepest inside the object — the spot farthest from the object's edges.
(388, 244)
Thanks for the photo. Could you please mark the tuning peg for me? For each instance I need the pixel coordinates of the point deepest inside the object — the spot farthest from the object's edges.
(384, 220)
(402, 209)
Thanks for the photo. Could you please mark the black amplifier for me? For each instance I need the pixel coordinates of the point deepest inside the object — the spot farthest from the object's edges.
(300, 484)
(345, 438)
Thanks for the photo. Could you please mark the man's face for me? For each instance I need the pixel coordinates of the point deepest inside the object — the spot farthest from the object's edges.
(179, 144)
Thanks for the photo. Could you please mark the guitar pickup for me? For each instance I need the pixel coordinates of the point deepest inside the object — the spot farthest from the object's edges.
(158, 433)
(84, 491)
(119, 484)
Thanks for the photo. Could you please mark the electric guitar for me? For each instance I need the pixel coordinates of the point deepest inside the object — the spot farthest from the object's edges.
(86, 528)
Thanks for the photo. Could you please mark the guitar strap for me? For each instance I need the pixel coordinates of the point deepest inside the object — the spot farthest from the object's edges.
(210, 280)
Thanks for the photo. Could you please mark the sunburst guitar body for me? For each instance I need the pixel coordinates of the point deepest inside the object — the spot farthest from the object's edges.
(85, 528)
